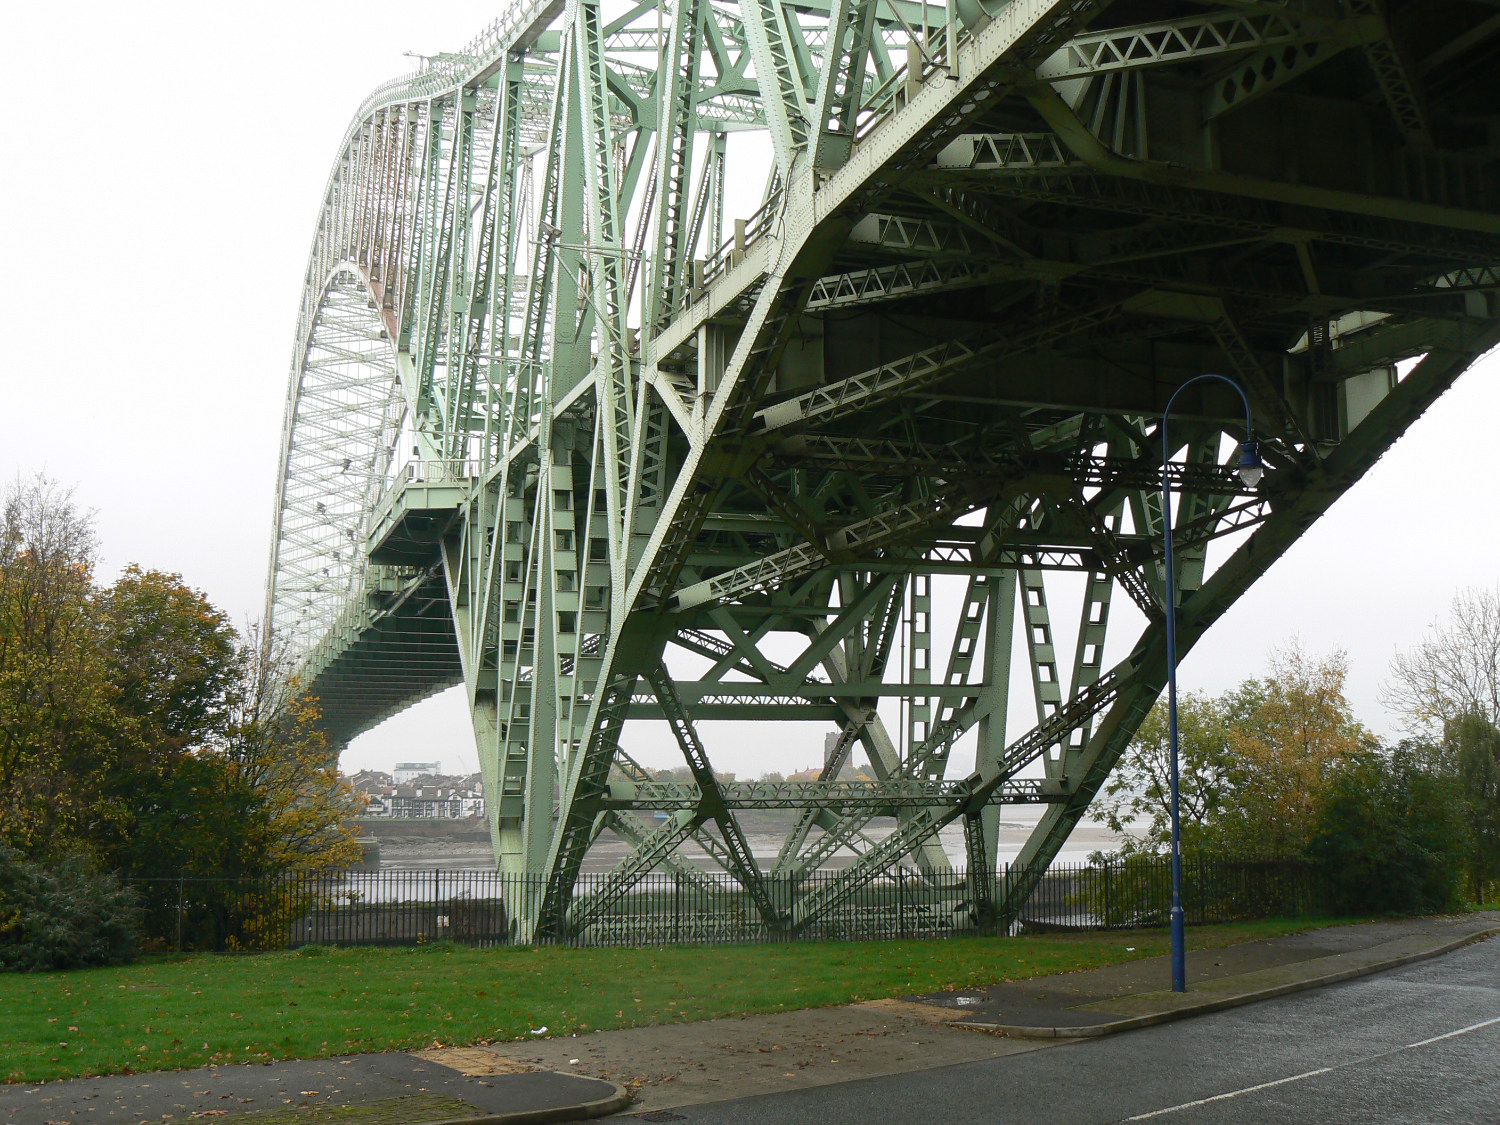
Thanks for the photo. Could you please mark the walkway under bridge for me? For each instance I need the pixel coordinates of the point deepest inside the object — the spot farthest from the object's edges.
(568, 427)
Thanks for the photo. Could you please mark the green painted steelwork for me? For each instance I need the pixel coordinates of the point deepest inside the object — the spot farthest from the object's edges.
(551, 433)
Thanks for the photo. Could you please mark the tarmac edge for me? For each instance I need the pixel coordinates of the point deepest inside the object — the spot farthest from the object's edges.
(1092, 1031)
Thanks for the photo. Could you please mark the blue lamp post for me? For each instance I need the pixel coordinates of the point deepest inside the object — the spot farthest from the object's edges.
(1250, 468)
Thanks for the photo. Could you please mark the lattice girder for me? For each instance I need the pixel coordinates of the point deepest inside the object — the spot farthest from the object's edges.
(561, 422)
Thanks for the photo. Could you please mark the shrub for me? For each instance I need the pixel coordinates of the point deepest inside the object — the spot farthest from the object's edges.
(1136, 890)
(1390, 839)
(66, 916)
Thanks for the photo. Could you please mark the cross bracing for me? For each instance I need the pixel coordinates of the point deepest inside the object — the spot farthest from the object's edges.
(576, 423)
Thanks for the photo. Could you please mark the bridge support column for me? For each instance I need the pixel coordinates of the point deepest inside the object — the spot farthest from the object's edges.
(999, 633)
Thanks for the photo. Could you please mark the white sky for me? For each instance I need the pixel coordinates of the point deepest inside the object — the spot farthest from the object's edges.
(163, 165)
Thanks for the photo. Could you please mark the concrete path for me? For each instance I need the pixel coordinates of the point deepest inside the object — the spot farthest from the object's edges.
(682, 1064)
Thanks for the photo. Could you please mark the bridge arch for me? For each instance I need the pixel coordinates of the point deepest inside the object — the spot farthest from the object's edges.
(343, 418)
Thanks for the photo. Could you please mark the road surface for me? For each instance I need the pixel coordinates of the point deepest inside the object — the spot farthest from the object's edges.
(1417, 1045)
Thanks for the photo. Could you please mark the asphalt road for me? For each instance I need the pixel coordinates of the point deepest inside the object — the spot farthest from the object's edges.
(1417, 1045)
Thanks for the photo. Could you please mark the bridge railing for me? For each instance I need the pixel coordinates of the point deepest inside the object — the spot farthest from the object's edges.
(440, 72)
(443, 471)
(887, 97)
(728, 255)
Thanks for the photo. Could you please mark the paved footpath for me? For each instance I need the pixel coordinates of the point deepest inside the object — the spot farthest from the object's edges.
(650, 1070)
(1122, 997)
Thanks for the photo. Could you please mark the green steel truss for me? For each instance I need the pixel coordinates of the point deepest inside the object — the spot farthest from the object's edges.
(557, 423)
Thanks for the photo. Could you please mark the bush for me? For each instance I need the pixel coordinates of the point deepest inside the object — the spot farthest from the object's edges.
(1136, 890)
(1390, 839)
(67, 916)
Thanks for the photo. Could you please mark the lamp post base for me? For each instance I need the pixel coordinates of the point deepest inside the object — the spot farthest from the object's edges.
(1179, 951)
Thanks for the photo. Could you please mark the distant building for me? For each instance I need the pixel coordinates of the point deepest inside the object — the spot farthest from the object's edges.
(830, 744)
(407, 772)
(431, 796)
(376, 787)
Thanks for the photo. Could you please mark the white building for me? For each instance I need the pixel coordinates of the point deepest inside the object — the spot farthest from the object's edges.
(430, 796)
(407, 772)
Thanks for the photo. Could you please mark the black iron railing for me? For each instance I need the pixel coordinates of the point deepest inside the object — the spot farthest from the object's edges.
(397, 907)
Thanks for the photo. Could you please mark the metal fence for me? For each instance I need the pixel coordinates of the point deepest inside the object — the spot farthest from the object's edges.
(394, 907)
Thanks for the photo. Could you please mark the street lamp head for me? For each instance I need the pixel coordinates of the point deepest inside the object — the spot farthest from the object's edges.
(1250, 467)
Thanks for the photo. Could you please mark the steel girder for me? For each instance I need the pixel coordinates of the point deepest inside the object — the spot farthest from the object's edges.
(550, 432)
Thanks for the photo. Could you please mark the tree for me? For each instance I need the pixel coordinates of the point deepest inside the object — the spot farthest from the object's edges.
(1253, 763)
(65, 915)
(1136, 801)
(1470, 759)
(1388, 838)
(140, 734)
(1289, 733)
(1456, 671)
(173, 660)
(172, 656)
(56, 704)
(276, 751)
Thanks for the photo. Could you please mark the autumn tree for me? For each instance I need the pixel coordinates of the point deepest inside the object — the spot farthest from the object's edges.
(169, 804)
(1254, 763)
(276, 750)
(56, 704)
(1290, 733)
(258, 791)
(138, 726)
(172, 657)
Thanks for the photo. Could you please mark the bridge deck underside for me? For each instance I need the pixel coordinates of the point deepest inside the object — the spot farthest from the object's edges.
(396, 661)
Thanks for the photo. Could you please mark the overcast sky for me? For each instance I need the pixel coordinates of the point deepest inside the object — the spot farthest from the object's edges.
(163, 166)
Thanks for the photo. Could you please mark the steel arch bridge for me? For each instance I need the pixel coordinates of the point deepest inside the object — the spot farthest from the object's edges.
(558, 421)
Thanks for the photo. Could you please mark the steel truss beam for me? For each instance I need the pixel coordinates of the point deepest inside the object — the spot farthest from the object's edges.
(557, 420)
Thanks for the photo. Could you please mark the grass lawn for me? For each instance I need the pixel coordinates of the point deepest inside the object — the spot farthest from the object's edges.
(189, 1010)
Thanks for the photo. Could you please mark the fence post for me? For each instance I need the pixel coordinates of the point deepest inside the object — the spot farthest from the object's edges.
(179, 912)
(1202, 896)
(1002, 892)
(1108, 906)
(901, 901)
